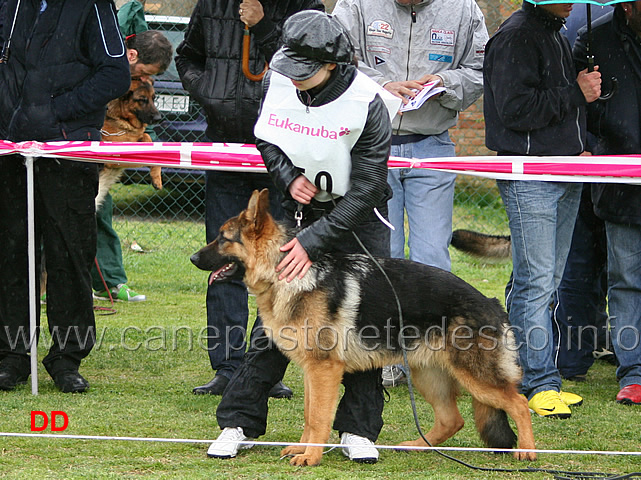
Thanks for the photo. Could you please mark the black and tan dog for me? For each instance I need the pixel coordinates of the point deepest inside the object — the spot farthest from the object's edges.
(342, 317)
(126, 120)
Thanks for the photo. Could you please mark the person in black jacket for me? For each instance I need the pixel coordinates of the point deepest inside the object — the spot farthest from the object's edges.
(66, 62)
(616, 123)
(209, 63)
(535, 105)
(337, 186)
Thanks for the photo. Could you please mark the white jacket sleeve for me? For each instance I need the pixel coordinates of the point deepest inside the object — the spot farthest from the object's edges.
(348, 12)
(464, 84)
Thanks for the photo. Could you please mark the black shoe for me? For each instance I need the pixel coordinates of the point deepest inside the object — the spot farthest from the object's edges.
(215, 387)
(70, 381)
(280, 390)
(10, 377)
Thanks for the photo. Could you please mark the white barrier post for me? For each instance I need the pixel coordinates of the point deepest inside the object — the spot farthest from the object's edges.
(31, 251)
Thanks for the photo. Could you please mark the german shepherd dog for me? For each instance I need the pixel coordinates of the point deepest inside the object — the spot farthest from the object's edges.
(342, 317)
(125, 121)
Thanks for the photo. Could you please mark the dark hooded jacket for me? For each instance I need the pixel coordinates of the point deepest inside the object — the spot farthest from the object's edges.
(61, 72)
(369, 156)
(616, 123)
(209, 62)
(533, 104)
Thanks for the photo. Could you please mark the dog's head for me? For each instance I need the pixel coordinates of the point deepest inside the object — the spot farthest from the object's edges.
(246, 246)
(139, 100)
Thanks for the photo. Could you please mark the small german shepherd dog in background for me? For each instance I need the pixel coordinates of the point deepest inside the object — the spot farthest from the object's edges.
(125, 121)
(342, 317)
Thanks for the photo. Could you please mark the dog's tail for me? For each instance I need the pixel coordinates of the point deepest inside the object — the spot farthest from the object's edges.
(108, 176)
(481, 245)
(493, 426)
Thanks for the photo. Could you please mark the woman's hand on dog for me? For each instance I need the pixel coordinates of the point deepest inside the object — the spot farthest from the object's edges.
(296, 262)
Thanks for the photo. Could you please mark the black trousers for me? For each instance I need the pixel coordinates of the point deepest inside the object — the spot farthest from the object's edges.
(227, 195)
(66, 229)
(245, 400)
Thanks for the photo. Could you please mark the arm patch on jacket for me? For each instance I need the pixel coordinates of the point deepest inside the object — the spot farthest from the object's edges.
(109, 31)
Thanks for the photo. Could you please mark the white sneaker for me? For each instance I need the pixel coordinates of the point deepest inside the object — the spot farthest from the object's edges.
(393, 375)
(359, 449)
(226, 445)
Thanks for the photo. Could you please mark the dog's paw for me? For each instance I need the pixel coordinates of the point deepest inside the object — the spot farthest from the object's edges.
(531, 456)
(292, 450)
(306, 460)
(410, 443)
(156, 177)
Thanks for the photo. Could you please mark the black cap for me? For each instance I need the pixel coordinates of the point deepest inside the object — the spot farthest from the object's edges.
(311, 38)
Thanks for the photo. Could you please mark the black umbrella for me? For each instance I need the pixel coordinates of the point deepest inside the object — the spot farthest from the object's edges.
(588, 43)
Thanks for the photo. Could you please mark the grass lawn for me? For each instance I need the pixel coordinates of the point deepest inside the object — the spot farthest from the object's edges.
(150, 355)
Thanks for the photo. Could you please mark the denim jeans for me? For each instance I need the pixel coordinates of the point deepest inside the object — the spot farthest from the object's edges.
(624, 298)
(427, 196)
(541, 217)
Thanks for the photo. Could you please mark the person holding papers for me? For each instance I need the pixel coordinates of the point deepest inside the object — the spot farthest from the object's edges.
(405, 45)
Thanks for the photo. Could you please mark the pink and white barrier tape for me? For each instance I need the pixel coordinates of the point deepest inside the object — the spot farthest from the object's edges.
(245, 157)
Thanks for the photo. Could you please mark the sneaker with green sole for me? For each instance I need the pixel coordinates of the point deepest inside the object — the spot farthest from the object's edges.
(120, 293)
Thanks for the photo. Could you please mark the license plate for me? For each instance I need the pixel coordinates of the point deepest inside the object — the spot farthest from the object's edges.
(172, 103)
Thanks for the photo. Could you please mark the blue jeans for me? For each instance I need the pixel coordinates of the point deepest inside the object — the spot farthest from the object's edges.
(427, 196)
(541, 217)
(226, 195)
(624, 298)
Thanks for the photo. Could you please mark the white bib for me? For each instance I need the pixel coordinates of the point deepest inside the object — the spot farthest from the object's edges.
(319, 140)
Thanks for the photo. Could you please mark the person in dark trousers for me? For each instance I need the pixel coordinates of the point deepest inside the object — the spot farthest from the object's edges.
(66, 62)
(616, 47)
(209, 62)
(534, 104)
(311, 82)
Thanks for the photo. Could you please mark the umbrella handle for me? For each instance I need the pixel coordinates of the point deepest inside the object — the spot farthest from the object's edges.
(246, 71)
(615, 88)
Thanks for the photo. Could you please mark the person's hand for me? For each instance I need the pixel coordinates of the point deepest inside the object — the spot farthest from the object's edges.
(431, 78)
(296, 262)
(404, 89)
(590, 84)
(302, 190)
(251, 12)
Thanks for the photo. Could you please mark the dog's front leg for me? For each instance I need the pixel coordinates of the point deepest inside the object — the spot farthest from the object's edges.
(322, 379)
(298, 449)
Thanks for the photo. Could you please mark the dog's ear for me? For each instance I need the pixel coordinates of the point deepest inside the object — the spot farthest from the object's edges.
(258, 208)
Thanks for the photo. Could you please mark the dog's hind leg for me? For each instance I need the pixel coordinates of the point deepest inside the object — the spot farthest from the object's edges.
(492, 402)
(439, 390)
(322, 379)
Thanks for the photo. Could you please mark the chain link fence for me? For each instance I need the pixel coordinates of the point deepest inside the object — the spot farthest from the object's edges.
(139, 209)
